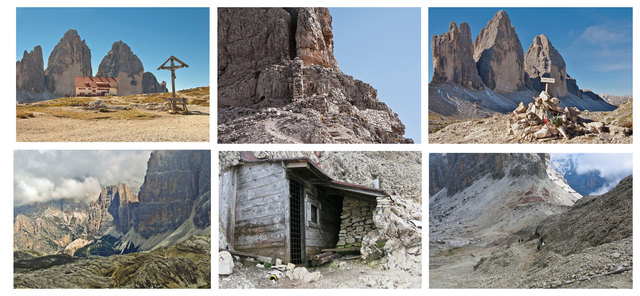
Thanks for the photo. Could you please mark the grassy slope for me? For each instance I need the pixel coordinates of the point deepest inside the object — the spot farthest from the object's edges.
(72, 107)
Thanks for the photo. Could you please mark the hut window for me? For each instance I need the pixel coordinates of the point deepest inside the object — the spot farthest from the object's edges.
(314, 214)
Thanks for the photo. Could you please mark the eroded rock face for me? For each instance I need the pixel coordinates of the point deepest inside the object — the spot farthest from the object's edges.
(176, 183)
(453, 57)
(150, 84)
(276, 67)
(314, 37)
(49, 227)
(456, 171)
(543, 60)
(121, 62)
(30, 71)
(592, 221)
(498, 55)
(114, 207)
(249, 39)
(69, 59)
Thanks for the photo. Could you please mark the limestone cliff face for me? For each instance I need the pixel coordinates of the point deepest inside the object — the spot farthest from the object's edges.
(456, 171)
(121, 62)
(281, 59)
(314, 37)
(543, 60)
(176, 185)
(150, 84)
(30, 71)
(453, 57)
(498, 55)
(113, 208)
(70, 58)
(49, 227)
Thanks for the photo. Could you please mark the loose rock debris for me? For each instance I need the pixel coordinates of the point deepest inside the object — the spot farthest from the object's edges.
(543, 119)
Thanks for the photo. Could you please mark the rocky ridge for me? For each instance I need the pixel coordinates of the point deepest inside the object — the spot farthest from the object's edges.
(543, 59)
(170, 217)
(176, 188)
(498, 55)
(477, 194)
(30, 72)
(174, 203)
(508, 76)
(151, 85)
(278, 82)
(71, 58)
(121, 62)
(113, 208)
(49, 227)
(453, 57)
(582, 226)
(185, 265)
(580, 250)
(475, 243)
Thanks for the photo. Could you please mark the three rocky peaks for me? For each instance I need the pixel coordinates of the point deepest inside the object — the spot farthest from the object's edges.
(279, 82)
(71, 58)
(495, 60)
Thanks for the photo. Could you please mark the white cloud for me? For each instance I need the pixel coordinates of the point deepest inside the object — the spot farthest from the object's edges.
(612, 166)
(602, 34)
(79, 174)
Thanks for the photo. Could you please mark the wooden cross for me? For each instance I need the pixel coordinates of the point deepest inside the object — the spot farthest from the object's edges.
(173, 68)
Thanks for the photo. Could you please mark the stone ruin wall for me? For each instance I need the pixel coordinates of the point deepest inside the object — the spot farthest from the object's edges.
(357, 221)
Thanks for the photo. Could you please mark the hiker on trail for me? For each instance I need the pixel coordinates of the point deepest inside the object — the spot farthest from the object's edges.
(540, 244)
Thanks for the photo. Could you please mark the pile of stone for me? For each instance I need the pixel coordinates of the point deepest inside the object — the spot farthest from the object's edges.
(357, 221)
(543, 119)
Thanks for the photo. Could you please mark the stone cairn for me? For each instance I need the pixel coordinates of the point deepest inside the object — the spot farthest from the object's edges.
(544, 120)
(357, 221)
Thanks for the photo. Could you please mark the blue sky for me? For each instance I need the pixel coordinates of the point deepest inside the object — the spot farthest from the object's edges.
(596, 43)
(154, 34)
(385, 54)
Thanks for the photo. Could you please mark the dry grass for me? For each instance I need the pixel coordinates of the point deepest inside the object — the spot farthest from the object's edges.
(71, 107)
(73, 113)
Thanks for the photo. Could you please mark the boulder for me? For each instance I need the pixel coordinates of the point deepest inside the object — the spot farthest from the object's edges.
(498, 55)
(453, 57)
(301, 273)
(521, 108)
(225, 263)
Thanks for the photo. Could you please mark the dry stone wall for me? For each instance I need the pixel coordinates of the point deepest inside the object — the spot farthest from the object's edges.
(357, 221)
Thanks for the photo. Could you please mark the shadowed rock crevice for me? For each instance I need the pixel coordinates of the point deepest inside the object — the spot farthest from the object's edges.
(293, 27)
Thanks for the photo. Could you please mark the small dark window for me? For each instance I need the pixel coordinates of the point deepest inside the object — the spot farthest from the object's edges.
(314, 214)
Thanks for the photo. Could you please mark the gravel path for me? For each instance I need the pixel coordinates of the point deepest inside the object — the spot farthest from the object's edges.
(166, 128)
